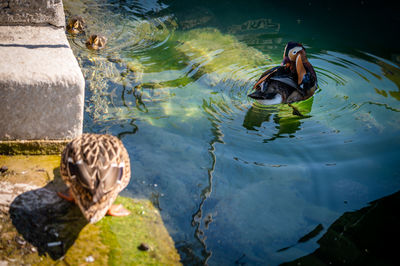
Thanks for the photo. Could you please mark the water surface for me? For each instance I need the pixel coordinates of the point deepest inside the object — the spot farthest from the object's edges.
(237, 182)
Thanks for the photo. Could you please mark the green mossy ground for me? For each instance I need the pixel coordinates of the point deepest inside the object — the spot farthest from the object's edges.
(111, 241)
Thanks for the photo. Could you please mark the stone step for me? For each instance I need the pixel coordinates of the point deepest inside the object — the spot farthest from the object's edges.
(41, 84)
(38, 12)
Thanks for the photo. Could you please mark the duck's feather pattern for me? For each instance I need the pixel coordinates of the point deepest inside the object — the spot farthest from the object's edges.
(96, 168)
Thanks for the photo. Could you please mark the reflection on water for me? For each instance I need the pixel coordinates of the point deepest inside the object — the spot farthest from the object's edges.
(287, 118)
(237, 182)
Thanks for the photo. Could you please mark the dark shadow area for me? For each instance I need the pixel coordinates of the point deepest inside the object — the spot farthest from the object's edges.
(306, 237)
(351, 20)
(35, 46)
(368, 236)
(48, 222)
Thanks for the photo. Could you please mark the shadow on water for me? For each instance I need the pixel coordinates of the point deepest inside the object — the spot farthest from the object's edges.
(362, 237)
(48, 222)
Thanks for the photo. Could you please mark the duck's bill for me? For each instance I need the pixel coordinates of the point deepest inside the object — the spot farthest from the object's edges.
(301, 71)
(256, 95)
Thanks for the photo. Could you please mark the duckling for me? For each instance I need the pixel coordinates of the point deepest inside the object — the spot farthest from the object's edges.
(96, 42)
(95, 168)
(295, 80)
(76, 25)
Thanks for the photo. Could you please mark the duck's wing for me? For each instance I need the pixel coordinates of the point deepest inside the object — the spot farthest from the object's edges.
(286, 80)
(266, 75)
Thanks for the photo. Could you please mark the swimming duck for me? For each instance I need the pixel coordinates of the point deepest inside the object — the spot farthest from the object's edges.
(95, 168)
(96, 42)
(76, 25)
(295, 80)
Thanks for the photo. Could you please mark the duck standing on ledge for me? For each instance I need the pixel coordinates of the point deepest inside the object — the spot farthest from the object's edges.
(95, 168)
(295, 80)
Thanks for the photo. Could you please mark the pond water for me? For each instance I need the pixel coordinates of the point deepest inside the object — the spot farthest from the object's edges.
(237, 182)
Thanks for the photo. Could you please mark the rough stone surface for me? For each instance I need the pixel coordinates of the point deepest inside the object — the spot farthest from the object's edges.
(41, 84)
(39, 12)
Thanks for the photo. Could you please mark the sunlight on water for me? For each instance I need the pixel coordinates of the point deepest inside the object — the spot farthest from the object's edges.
(236, 181)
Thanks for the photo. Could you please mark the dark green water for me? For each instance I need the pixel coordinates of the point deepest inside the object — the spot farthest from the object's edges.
(236, 182)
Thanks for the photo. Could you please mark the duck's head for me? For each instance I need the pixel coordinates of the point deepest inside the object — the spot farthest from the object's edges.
(294, 56)
(76, 25)
(96, 42)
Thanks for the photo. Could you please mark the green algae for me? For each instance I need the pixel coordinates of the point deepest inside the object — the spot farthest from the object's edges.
(32, 147)
(125, 235)
(219, 53)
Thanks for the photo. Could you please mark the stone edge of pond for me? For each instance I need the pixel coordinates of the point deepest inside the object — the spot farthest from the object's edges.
(32, 147)
(38, 73)
(138, 239)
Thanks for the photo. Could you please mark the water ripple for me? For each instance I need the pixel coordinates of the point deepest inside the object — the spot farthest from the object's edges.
(176, 92)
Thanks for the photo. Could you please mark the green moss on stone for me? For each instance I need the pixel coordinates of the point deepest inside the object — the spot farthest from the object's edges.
(144, 226)
(111, 241)
(32, 147)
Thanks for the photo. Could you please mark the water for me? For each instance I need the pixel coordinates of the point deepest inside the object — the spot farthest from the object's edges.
(235, 181)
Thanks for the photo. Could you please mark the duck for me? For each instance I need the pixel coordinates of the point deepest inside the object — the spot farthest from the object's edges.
(95, 168)
(96, 42)
(76, 25)
(294, 80)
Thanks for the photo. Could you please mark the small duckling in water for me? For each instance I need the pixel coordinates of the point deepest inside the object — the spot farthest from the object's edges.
(76, 25)
(96, 42)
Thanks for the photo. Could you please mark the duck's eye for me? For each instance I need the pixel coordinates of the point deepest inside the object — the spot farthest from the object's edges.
(294, 52)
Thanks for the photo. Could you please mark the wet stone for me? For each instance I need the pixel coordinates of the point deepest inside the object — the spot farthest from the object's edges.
(3, 169)
(143, 247)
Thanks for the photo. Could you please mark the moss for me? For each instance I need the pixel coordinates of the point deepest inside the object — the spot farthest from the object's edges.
(111, 241)
(144, 225)
(32, 147)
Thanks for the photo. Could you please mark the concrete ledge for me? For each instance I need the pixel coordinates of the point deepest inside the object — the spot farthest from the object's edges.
(41, 84)
(32, 147)
(40, 12)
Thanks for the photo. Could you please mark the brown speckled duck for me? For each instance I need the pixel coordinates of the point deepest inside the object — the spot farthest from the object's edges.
(76, 25)
(95, 168)
(295, 80)
(96, 42)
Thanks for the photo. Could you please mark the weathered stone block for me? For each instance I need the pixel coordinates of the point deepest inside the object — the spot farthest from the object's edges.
(24, 12)
(41, 84)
